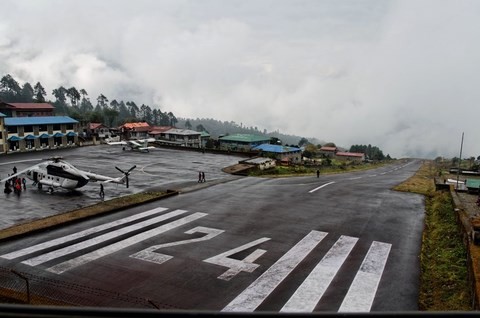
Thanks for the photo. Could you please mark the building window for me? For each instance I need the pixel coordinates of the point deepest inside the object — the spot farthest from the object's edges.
(28, 128)
(12, 129)
(56, 127)
(42, 128)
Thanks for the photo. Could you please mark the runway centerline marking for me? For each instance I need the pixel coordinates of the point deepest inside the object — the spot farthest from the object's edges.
(318, 188)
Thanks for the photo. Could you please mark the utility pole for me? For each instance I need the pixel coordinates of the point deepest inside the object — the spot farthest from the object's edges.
(459, 160)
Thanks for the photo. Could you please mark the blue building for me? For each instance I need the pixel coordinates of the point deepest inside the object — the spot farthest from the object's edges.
(37, 133)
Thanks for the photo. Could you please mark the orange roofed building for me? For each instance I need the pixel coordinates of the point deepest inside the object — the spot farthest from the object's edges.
(135, 130)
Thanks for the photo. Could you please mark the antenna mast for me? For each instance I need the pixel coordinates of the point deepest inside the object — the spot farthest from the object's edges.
(459, 160)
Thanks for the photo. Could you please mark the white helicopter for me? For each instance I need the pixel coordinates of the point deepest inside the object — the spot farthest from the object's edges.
(57, 173)
(139, 145)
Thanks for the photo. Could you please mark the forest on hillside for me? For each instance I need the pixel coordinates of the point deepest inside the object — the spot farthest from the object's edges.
(76, 104)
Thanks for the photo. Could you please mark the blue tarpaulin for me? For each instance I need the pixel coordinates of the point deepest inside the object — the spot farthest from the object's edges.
(14, 138)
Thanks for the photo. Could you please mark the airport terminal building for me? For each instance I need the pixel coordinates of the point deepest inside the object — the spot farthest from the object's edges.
(32, 126)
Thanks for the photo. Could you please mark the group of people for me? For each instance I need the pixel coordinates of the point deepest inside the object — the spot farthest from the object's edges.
(201, 176)
(15, 184)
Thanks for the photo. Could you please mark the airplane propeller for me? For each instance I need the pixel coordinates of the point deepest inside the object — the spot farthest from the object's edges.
(126, 173)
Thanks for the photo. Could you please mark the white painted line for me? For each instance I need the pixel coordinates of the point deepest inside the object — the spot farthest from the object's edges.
(307, 296)
(256, 293)
(17, 161)
(67, 265)
(98, 239)
(150, 254)
(234, 265)
(326, 184)
(362, 292)
(74, 236)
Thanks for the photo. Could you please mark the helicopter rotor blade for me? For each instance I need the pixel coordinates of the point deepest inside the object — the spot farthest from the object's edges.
(126, 173)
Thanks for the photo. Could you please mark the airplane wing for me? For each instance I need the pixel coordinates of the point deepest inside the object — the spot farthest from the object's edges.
(117, 143)
(134, 144)
(147, 140)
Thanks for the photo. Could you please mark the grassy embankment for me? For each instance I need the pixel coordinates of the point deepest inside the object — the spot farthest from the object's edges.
(444, 276)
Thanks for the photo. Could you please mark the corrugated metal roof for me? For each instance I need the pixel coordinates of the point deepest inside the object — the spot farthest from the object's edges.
(328, 148)
(244, 138)
(3, 115)
(96, 125)
(350, 154)
(184, 132)
(31, 105)
(136, 125)
(46, 120)
(276, 148)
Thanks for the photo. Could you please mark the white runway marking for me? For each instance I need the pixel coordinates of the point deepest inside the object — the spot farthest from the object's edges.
(67, 265)
(150, 254)
(17, 161)
(362, 292)
(80, 234)
(98, 239)
(256, 293)
(312, 289)
(326, 184)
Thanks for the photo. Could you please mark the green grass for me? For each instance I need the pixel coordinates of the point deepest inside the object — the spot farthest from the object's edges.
(300, 170)
(444, 284)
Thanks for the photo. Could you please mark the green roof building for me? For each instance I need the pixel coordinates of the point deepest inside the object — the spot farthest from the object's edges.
(241, 142)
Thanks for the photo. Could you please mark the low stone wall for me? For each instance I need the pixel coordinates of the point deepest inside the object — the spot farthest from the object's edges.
(473, 250)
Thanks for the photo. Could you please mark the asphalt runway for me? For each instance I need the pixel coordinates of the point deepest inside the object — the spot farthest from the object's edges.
(159, 169)
(337, 243)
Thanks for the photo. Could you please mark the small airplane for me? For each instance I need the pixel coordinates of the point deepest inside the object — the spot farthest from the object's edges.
(57, 173)
(139, 145)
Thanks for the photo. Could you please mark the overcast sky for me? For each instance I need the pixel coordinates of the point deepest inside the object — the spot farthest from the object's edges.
(400, 75)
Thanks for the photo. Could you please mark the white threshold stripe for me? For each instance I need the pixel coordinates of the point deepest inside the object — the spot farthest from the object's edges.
(362, 292)
(307, 296)
(34, 261)
(256, 293)
(318, 188)
(83, 259)
(80, 234)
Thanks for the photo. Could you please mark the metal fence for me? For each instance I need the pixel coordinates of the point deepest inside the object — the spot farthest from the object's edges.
(25, 288)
